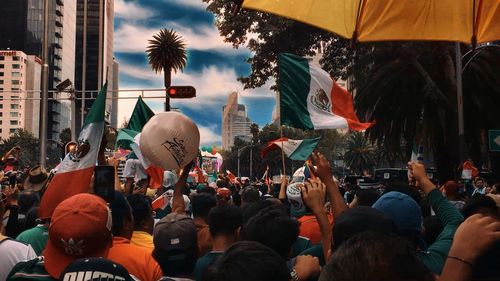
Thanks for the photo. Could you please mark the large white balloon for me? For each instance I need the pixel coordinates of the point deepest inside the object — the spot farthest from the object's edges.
(170, 140)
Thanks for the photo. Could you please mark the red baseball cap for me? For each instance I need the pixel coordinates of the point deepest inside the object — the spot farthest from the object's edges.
(224, 192)
(80, 228)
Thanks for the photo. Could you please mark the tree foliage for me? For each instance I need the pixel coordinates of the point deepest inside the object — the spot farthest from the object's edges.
(360, 154)
(331, 145)
(30, 149)
(409, 88)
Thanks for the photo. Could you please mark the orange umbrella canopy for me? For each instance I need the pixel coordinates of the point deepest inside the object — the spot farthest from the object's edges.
(468, 21)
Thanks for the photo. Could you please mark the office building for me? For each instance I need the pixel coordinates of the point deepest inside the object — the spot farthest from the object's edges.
(21, 28)
(19, 92)
(235, 122)
(114, 102)
(99, 64)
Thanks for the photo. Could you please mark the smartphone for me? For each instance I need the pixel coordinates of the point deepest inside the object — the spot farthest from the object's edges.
(104, 182)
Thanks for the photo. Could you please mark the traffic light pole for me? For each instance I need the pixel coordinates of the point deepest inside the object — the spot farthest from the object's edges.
(168, 83)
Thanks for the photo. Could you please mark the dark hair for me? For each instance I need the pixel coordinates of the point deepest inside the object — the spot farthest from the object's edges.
(31, 218)
(202, 203)
(120, 210)
(27, 200)
(252, 209)
(367, 197)
(250, 194)
(262, 188)
(224, 220)
(273, 228)
(480, 203)
(141, 209)
(248, 261)
(377, 257)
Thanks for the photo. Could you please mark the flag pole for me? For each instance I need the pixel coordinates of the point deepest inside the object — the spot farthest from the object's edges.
(281, 136)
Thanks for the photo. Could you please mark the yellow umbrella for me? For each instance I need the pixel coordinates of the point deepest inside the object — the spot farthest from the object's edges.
(468, 21)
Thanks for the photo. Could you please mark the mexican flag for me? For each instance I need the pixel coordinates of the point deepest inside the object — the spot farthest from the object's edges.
(155, 173)
(311, 100)
(74, 174)
(295, 149)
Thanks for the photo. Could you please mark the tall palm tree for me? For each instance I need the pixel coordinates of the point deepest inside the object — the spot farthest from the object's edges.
(360, 154)
(167, 52)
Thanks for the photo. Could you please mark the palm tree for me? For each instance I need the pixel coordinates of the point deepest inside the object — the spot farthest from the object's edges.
(410, 90)
(360, 155)
(167, 52)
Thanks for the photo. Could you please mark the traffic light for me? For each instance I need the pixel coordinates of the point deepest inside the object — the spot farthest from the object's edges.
(181, 92)
(70, 147)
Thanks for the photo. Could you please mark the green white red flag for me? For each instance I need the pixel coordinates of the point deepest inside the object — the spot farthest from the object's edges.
(75, 172)
(311, 100)
(294, 149)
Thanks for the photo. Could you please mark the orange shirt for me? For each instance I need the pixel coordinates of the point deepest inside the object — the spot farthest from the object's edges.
(204, 240)
(137, 260)
(309, 227)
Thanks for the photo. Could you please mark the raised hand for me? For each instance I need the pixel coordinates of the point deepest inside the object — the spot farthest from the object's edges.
(313, 193)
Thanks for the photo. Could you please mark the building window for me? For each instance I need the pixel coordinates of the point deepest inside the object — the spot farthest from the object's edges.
(2, 57)
(15, 97)
(12, 131)
(15, 74)
(1, 106)
(1, 73)
(14, 106)
(16, 66)
(1, 82)
(2, 66)
(15, 58)
(16, 82)
(14, 114)
(13, 122)
(14, 89)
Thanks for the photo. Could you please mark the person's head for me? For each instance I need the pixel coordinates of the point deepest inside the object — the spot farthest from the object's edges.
(377, 257)
(123, 221)
(451, 189)
(367, 197)
(31, 218)
(27, 199)
(142, 212)
(223, 196)
(273, 228)
(249, 195)
(175, 240)
(262, 188)
(479, 182)
(254, 208)
(248, 261)
(80, 228)
(405, 213)
(356, 220)
(294, 195)
(482, 204)
(202, 203)
(225, 220)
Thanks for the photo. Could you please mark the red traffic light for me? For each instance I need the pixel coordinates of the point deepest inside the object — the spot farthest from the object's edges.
(181, 92)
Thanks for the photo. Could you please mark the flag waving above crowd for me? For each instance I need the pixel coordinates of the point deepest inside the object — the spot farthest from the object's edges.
(74, 174)
(311, 100)
(294, 149)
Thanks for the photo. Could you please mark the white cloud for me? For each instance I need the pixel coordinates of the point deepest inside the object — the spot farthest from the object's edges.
(208, 136)
(198, 4)
(131, 11)
(130, 38)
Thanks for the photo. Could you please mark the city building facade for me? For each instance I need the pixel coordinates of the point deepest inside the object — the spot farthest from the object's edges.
(235, 122)
(21, 28)
(99, 62)
(19, 92)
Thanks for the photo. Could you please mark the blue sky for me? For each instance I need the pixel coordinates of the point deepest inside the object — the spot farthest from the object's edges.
(212, 67)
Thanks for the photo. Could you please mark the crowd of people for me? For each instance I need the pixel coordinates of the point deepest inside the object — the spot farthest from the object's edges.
(237, 230)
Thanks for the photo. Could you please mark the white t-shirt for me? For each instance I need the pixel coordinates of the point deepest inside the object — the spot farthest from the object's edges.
(13, 252)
